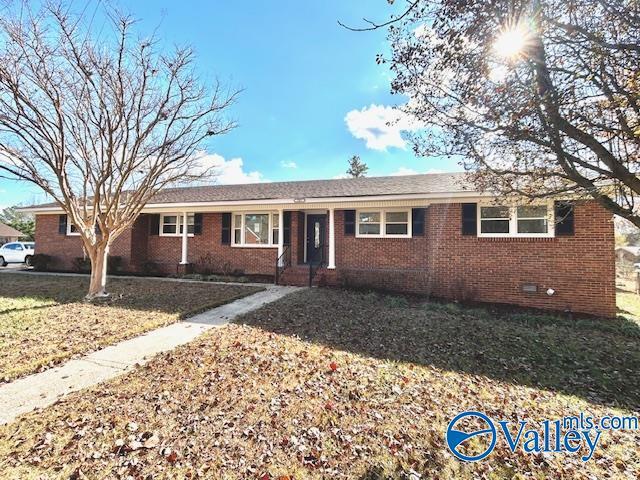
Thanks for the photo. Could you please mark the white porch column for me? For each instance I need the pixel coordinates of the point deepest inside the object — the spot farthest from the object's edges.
(332, 240)
(183, 260)
(280, 236)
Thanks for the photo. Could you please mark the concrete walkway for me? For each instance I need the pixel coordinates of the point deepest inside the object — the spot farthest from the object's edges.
(43, 389)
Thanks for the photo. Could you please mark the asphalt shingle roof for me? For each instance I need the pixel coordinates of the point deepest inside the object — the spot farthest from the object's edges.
(430, 183)
(7, 231)
(347, 187)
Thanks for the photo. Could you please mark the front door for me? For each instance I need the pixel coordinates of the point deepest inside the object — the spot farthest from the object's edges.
(315, 238)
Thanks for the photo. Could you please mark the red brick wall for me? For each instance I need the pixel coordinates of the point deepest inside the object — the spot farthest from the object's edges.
(443, 262)
(166, 251)
(580, 268)
(65, 248)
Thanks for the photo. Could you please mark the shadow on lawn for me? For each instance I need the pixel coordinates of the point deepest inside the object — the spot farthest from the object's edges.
(130, 294)
(595, 359)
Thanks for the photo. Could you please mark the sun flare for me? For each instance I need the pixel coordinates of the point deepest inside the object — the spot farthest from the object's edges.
(512, 41)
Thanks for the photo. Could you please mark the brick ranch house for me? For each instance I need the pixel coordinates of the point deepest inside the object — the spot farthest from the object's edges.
(429, 234)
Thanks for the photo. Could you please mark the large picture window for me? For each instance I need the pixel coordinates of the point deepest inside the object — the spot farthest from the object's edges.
(255, 229)
(171, 224)
(383, 223)
(518, 221)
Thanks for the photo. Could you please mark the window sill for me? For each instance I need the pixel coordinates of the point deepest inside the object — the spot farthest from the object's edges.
(254, 246)
(175, 235)
(546, 238)
(383, 236)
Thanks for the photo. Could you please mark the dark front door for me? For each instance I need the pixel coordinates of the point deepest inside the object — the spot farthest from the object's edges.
(315, 238)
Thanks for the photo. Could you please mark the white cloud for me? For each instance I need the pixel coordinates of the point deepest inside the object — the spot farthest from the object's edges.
(380, 126)
(403, 171)
(228, 172)
(290, 164)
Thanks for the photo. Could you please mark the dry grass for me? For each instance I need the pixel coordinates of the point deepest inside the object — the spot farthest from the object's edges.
(44, 320)
(629, 305)
(332, 384)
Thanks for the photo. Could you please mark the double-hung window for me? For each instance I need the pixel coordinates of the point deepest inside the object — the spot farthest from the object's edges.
(384, 223)
(396, 223)
(495, 220)
(275, 230)
(71, 228)
(172, 224)
(515, 221)
(237, 229)
(533, 219)
(369, 223)
(256, 229)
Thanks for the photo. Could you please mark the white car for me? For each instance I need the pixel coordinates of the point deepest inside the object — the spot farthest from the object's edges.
(16, 252)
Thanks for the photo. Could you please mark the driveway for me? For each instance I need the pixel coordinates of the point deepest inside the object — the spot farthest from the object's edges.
(13, 267)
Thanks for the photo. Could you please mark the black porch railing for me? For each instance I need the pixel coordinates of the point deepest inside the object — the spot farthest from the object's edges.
(283, 262)
(316, 265)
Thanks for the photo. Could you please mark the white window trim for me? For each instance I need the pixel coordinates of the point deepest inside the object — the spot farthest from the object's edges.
(242, 230)
(513, 222)
(178, 220)
(69, 232)
(383, 222)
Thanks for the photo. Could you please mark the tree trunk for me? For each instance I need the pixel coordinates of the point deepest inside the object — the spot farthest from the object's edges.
(98, 284)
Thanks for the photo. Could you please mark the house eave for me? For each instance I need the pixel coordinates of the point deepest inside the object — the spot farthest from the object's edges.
(290, 203)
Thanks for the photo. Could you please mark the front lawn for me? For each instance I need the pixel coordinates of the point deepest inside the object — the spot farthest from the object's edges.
(44, 320)
(333, 384)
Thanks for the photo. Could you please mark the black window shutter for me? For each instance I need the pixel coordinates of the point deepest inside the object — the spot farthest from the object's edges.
(349, 222)
(417, 221)
(564, 218)
(469, 219)
(154, 224)
(286, 228)
(62, 224)
(226, 229)
(197, 224)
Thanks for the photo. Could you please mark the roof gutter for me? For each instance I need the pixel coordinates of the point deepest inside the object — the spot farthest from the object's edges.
(286, 202)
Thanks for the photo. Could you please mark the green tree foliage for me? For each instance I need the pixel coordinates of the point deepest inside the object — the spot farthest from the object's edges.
(357, 168)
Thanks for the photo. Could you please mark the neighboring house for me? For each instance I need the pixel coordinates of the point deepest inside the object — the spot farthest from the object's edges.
(626, 259)
(627, 255)
(428, 234)
(9, 234)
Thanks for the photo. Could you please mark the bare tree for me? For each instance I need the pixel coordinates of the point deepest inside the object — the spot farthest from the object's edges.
(357, 168)
(537, 98)
(100, 122)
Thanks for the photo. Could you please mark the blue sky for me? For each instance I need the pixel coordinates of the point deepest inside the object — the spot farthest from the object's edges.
(313, 93)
